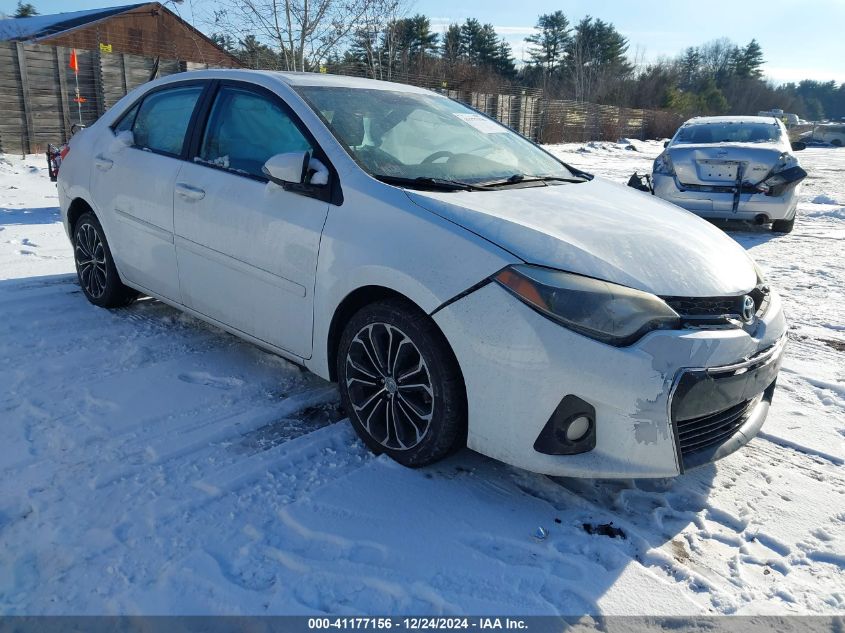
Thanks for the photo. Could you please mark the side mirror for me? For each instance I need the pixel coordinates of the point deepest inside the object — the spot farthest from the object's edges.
(665, 143)
(318, 173)
(797, 146)
(296, 168)
(123, 139)
(287, 169)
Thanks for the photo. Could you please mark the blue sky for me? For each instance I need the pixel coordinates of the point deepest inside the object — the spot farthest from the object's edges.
(800, 38)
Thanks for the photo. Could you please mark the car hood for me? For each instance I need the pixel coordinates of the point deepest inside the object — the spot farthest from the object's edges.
(603, 230)
(704, 164)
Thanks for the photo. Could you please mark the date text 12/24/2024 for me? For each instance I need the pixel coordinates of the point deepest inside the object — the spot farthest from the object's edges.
(417, 623)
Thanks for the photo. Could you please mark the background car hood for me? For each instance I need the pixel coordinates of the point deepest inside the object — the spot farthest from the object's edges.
(603, 230)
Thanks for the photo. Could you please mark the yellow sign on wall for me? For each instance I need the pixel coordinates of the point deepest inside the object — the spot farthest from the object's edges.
(105, 48)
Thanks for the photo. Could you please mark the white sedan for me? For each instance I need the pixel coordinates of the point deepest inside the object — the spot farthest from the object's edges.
(732, 168)
(462, 285)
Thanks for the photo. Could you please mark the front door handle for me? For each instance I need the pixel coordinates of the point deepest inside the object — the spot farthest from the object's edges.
(189, 192)
(103, 163)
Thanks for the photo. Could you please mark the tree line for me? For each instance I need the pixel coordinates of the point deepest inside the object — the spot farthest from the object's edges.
(588, 60)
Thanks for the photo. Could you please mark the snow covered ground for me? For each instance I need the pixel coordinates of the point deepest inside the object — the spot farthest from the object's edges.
(152, 464)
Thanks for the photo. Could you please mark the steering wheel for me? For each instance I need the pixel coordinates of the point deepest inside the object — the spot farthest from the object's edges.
(433, 157)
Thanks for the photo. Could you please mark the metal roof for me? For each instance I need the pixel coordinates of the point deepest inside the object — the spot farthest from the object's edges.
(39, 26)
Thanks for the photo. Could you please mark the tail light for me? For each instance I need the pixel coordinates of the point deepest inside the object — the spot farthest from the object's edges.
(55, 156)
(782, 181)
(663, 165)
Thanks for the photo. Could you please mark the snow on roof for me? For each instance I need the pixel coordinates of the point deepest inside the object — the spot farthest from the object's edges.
(729, 119)
(341, 81)
(295, 79)
(39, 26)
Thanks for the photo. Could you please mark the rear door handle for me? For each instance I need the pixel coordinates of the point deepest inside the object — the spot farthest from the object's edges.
(103, 163)
(189, 192)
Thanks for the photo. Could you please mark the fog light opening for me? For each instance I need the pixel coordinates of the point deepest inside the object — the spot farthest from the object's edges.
(578, 428)
(570, 430)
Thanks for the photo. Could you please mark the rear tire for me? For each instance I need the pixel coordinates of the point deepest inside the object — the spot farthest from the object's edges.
(783, 226)
(836, 142)
(400, 384)
(95, 269)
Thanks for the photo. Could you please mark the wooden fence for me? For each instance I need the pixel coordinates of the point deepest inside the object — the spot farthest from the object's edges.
(38, 90)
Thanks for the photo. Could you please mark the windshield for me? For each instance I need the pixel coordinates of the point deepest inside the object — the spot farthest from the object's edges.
(414, 136)
(729, 132)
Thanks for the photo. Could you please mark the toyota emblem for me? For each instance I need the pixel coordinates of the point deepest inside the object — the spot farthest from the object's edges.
(748, 309)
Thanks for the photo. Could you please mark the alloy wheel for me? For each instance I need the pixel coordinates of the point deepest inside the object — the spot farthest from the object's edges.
(389, 386)
(90, 253)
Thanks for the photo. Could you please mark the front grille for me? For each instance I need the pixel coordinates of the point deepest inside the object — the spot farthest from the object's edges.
(704, 306)
(695, 311)
(699, 433)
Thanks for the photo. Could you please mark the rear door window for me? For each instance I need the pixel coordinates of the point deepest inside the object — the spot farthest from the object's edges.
(163, 118)
(245, 129)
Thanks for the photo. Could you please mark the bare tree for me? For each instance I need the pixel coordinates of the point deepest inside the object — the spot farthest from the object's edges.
(304, 32)
(584, 71)
(376, 36)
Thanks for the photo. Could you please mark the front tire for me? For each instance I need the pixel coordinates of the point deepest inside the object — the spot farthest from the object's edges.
(783, 226)
(400, 384)
(95, 268)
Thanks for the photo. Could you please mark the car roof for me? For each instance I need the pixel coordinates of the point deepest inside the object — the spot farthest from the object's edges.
(703, 120)
(295, 79)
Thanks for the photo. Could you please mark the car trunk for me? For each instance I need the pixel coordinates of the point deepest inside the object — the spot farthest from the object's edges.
(719, 164)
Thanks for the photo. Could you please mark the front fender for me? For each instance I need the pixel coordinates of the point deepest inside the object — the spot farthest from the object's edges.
(380, 238)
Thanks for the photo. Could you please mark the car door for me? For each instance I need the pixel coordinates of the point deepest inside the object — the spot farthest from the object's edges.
(247, 248)
(133, 185)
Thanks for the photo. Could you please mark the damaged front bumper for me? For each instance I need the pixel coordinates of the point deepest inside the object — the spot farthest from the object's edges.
(519, 368)
(714, 411)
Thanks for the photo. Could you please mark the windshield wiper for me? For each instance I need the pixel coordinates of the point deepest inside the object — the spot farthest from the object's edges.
(426, 182)
(522, 178)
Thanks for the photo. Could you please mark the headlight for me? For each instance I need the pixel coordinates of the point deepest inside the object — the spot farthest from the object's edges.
(604, 311)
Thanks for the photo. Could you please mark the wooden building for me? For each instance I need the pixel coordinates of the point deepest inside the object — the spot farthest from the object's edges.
(148, 29)
(117, 48)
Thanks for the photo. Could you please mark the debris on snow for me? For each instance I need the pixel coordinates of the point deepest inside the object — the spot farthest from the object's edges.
(541, 533)
(604, 529)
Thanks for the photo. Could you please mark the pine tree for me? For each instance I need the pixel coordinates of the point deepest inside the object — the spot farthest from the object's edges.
(25, 10)
(548, 47)
(751, 60)
(451, 51)
(224, 41)
(414, 41)
(254, 54)
(598, 43)
(689, 67)
(504, 63)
